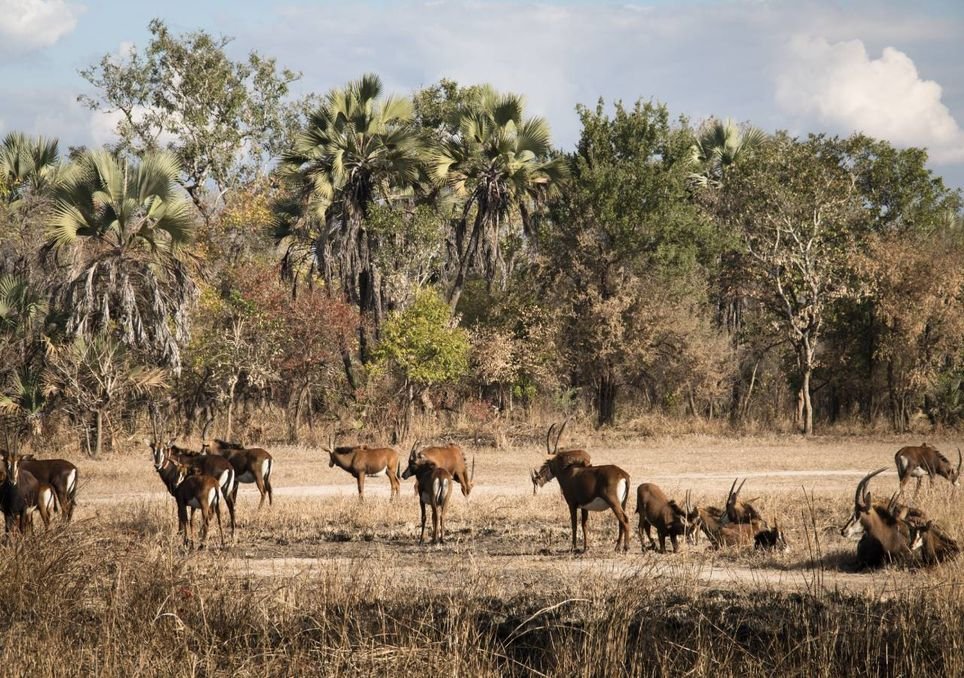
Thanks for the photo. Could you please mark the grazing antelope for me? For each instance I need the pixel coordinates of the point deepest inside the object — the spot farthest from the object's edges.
(448, 457)
(251, 465)
(434, 485)
(886, 538)
(917, 462)
(196, 491)
(362, 461)
(166, 457)
(936, 545)
(738, 511)
(569, 457)
(21, 494)
(61, 475)
(656, 510)
(590, 488)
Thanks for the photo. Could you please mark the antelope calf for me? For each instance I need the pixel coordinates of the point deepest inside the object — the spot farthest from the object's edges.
(448, 457)
(924, 460)
(590, 488)
(196, 491)
(434, 486)
(362, 461)
(886, 538)
(656, 510)
(21, 494)
(569, 457)
(251, 465)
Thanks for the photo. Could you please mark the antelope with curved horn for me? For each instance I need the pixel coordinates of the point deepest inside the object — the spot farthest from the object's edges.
(924, 460)
(738, 511)
(196, 491)
(448, 457)
(656, 510)
(21, 494)
(251, 465)
(886, 538)
(569, 457)
(362, 461)
(434, 487)
(590, 488)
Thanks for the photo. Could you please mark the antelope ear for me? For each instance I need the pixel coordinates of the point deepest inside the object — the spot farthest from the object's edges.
(26, 456)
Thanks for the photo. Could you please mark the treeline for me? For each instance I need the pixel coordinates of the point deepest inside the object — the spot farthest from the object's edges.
(370, 258)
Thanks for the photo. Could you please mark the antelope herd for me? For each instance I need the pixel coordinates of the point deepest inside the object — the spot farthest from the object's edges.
(889, 530)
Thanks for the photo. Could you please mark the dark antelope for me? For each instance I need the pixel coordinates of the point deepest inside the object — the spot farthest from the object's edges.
(434, 489)
(448, 457)
(362, 461)
(61, 475)
(738, 511)
(936, 545)
(656, 510)
(167, 457)
(590, 488)
(886, 537)
(199, 492)
(251, 465)
(21, 494)
(917, 462)
(569, 457)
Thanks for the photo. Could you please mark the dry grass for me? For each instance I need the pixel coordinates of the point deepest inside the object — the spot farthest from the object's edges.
(322, 584)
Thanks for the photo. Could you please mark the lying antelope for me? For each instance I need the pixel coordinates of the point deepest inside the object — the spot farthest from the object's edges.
(589, 488)
(21, 494)
(886, 538)
(936, 545)
(721, 532)
(771, 539)
(251, 465)
(917, 462)
(196, 491)
(569, 457)
(167, 457)
(435, 489)
(448, 457)
(362, 461)
(656, 510)
(739, 511)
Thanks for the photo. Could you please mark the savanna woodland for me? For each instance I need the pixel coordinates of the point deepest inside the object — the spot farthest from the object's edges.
(398, 265)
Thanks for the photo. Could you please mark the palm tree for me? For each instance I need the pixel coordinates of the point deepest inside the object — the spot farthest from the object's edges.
(719, 145)
(358, 148)
(122, 226)
(28, 165)
(499, 163)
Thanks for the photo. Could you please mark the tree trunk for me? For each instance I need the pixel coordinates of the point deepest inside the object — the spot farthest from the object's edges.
(232, 384)
(99, 434)
(606, 401)
(807, 401)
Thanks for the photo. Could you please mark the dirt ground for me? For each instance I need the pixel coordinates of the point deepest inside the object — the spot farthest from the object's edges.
(505, 540)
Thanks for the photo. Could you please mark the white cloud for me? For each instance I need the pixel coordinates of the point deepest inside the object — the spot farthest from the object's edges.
(26, 25)
(841, 86)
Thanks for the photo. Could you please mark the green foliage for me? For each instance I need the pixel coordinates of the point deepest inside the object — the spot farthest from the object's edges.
(422, 343)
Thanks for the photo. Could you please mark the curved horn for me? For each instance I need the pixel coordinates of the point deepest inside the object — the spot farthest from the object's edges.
(740, 488)
(960, 460)
(414, 448)
(207, 426)
(729, 495)
(549, 438)
(559, 435)
(863, 484)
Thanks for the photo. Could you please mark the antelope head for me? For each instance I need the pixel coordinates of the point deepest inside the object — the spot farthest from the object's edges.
(11, 466)
(863, 505)
(694, 522)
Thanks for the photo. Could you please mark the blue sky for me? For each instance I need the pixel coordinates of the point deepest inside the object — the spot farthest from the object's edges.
(894, 70)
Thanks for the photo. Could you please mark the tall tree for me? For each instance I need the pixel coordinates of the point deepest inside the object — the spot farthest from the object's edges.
(796, 209)
(500, 164)
(358, 149)
(120, 227)
(223, 119)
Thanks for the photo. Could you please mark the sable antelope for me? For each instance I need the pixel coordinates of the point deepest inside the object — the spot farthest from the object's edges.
(936, 545)
(196, 491)
(886, 537)
(448, 457)
(917, 462)
(166, 458)
(362, 461)
(720, 532)
(738, 511)
(61, 475)
(569, 457)
(590, 488)
(434, 485)
(251, 465)
(914, 517)
(21, 494)
(656, 510)
(771, 539)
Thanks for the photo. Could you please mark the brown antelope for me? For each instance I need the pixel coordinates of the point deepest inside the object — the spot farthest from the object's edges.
(448, 457)
(569, 457)
(936, 545)
(738, 511)
(917, 462)
(196, 491)
(656, 510)
(720, 532)
(886, 538)
(362, 461)
(434, 485)
(590, 488)
(251, 465)
(166, 457)
(21, 494)
(61, 475)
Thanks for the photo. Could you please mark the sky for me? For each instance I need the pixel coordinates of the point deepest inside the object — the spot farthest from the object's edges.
(891, 69)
